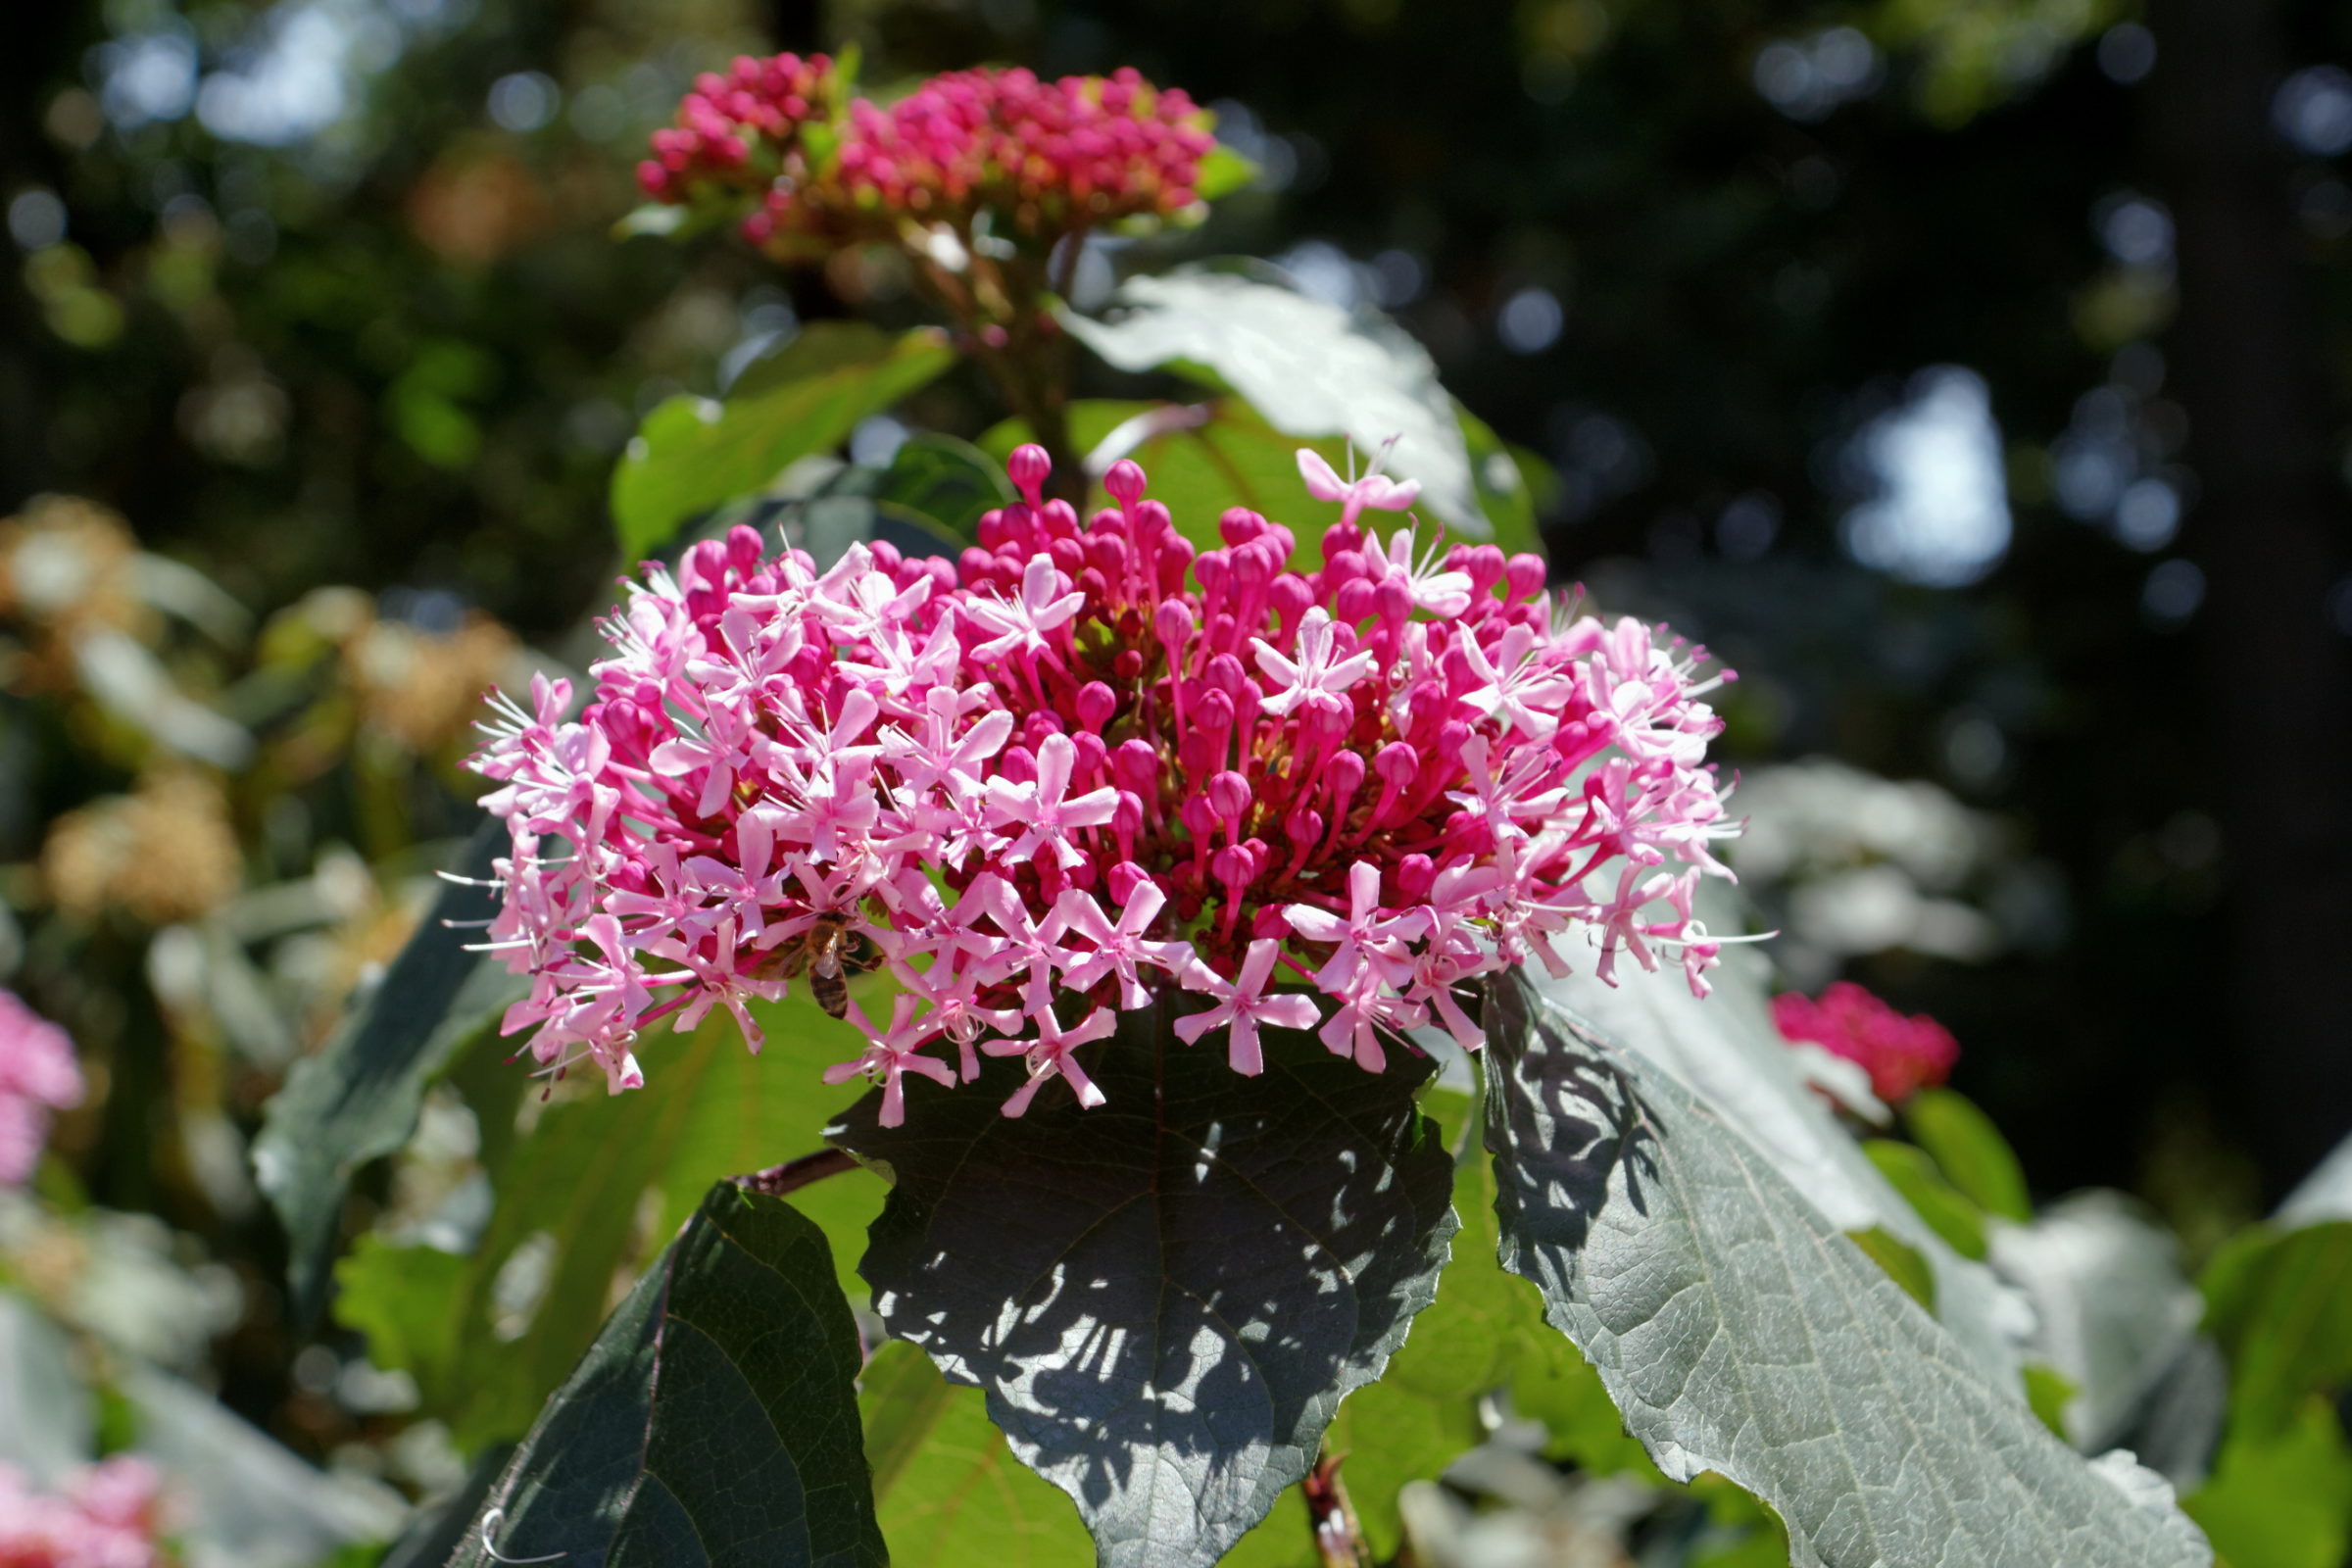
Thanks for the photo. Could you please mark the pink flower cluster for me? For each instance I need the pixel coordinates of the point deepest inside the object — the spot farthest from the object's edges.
(1047, 157)
(37, 1075)
(758, 104)
(1902, 1056)
(104, 1518)
(1090, 765)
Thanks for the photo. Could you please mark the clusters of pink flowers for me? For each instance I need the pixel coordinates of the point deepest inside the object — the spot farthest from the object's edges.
(758, 105)
(106, 1517)
(37, 1075)
(1046, 156)
(1089, 767)
(1902, 1056)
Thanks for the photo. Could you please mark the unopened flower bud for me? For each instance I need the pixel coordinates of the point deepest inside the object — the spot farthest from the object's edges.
(1229, 794)
(1416, 874)
(1524, 575)
(1096, 705)
(1028, 467)
(1125, 481)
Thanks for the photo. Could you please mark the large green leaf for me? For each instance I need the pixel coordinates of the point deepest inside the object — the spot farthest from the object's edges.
(1485, 1333)
(1167, 1296)
(1726, 1051)
(573, 1196)
(359, 1097)
(1970, 1151)
(713, 1421)
(2280, 1304)
(1308, 366)
(2283, 1499)
(949, 1492)
(1739, 1331)
(1948, 1211)
(693, 452)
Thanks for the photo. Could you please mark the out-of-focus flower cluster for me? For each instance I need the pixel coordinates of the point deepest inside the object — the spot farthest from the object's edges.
(413, 684)
(67, 565)
(105, 1517)
(1902, 1055)
(1043, 158)
(166, 852)
(37, 1075)
(1090, 765)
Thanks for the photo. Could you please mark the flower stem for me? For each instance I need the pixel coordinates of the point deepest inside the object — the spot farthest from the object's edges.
(794, 1175)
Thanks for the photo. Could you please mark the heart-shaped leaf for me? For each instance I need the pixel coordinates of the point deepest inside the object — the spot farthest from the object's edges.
(1739, 1331)
(693, 452)
(1308, 366)
(1167, 1296)
(714, 1420)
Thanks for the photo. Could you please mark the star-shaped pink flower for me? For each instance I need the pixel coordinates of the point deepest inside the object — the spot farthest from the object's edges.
(1243, 1006)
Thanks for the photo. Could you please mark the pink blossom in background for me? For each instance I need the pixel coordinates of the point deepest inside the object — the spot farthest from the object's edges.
(1041, 156)
(1091, 767)
(1902, 1055)
(37, 1075)
(105, 1517)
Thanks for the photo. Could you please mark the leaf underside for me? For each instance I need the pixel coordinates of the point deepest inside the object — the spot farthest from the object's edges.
(713, 1421)
(1740, 1333)
(1167, 1296)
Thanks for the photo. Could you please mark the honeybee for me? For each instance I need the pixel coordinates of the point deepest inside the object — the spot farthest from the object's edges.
(831, 952)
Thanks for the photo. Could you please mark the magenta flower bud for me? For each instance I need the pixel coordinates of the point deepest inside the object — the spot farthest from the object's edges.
(1173, 624)
(1060, 518)
(1215, 714)
(1018, 765)
(744, 549)
(1235, 867)
(1124, 484)
(1225, 674)
(1229, 794)
(1396, 763)
(1127, 817)
(1239, 525)
(1356, 600)
(1342, 776)
(1093, 584)
(1214, 568)
(1096, 705)
(1136, 765)
(1288, 598)
(1196, 816)
(1068, 555)
(1027, 468)
(1416, 874)
(1151, 521)
(1395, 596)
(886, 555)
(992, 532)
(1341, 538)
(1123, 880)
(1524, 575)
(1485, 565)
(1091, 753)
(1107, 554)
